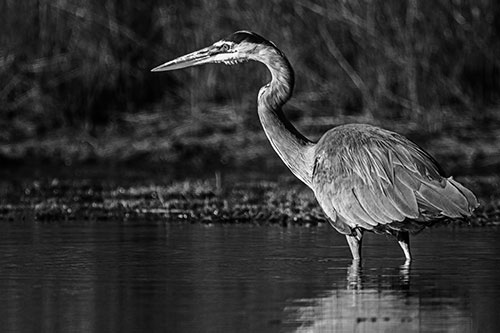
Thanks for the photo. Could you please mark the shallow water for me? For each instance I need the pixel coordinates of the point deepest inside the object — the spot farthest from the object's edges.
(128, 277)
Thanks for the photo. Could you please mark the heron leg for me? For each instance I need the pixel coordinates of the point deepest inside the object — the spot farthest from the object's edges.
(403, 238)
(354, 275)
(354, 241)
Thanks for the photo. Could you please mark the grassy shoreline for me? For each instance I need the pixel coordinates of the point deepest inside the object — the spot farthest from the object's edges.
(226, 197)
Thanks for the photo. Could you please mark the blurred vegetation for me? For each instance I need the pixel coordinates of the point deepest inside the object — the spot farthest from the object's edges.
(75, 83)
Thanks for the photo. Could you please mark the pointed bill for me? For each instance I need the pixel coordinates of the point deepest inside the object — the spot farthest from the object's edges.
(192, 59)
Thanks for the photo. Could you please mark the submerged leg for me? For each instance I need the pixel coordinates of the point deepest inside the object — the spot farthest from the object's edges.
(354, 242)
(403, 238)
(354, 275)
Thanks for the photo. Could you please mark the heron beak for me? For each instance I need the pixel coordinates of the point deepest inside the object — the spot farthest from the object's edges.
(199, 57)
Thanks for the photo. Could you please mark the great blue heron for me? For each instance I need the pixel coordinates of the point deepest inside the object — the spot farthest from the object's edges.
(364, 177)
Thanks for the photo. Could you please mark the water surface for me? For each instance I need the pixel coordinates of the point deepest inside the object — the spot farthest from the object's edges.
(128, 277)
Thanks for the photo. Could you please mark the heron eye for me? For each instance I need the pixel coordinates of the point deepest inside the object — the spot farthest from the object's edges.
(225, 47)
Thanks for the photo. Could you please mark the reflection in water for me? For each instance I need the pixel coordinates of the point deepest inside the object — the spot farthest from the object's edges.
(384, 304)
(355, 275)
(133, 277)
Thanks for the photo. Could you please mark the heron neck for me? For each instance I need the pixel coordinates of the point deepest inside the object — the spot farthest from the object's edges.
(293, 148)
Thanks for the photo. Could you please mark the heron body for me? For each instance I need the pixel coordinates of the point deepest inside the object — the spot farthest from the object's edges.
(365, 178)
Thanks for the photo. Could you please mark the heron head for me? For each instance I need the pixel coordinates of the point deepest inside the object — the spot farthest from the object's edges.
(239, 47)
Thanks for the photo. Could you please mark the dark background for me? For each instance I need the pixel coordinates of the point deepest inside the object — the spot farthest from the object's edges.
(76, 86)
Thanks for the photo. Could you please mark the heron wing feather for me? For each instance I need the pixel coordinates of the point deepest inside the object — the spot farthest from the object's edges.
(452, 199)
(470, 198)
(374, 177)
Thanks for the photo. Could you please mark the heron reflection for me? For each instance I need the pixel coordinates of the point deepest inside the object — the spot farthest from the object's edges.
(375, 300)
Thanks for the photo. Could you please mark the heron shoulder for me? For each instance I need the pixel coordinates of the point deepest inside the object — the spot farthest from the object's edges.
(349, 140)
(355, 135)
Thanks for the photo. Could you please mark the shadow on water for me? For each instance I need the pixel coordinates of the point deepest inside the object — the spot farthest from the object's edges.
(128, 277)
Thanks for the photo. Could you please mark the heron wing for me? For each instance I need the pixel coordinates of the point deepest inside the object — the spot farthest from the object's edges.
(366, 176)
